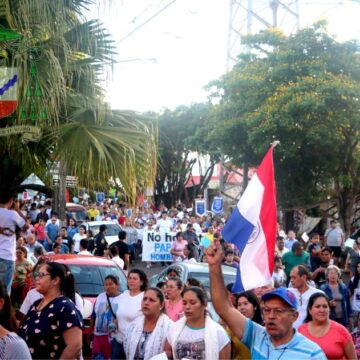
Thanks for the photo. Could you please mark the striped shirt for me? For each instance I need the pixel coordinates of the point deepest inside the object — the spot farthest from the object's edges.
(299, 347)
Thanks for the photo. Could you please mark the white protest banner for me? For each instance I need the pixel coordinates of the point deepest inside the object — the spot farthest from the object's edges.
(156, 246)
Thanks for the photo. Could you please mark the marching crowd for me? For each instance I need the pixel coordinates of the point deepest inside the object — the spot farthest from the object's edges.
(310, 308)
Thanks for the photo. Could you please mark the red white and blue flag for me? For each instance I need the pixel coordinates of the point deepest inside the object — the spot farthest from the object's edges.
(8, 90)
(252, 228)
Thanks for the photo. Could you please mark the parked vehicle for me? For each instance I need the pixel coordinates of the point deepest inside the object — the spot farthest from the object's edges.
(199, 271)
(75, 211)
(89, 273)
(112, 230)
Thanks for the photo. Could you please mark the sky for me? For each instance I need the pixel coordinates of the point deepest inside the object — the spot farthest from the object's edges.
(168, 61)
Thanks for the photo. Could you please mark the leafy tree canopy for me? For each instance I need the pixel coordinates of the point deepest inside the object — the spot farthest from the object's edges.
(304, 91)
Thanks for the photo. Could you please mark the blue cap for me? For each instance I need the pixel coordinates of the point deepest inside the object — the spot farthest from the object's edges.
(283, 294)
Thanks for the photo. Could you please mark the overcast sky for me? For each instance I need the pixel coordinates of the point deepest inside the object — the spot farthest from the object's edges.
(169, 60)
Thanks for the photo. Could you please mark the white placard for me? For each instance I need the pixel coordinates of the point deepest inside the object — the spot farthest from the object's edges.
(305, 237)
(156, 246)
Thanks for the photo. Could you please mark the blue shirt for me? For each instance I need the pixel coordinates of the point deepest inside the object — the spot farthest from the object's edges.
(52, 230)
(289, 243)
(299, 347)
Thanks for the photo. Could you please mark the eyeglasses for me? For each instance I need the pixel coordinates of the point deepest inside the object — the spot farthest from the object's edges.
(40, 275)
(300, 300)
(277, 311)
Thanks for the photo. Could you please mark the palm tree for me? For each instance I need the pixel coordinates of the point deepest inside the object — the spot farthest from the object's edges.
(61, 59)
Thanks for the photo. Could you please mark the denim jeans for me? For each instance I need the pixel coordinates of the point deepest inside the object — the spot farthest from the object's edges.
(132, 252)
(7, 269)
(117, 350)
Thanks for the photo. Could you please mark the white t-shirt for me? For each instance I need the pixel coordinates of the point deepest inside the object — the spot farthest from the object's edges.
(85, 252)
(76, 238)
(279, 277)
(355, 299)
(129, 309)
(191, 344)
(34, 295)
(303, 301)
(9, 219)
(164, 225)
(118, 261)
(197, 229)
(103, 313)
(334, 236)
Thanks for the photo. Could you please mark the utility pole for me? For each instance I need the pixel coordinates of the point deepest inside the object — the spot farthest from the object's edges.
(250, 16)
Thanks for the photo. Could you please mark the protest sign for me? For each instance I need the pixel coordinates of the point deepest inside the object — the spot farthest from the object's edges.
(156, 246)
(200, 207)
(217, 205)
(100, 197)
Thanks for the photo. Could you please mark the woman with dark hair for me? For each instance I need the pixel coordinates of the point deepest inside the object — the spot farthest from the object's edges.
(333, 338)
(52, 327)
(248, 304)
(196, 335)
(11, 345)
(129, 309)
(103, 321)
(146, 335)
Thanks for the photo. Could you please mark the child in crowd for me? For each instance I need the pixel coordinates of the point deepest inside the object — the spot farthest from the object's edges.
(279, 273)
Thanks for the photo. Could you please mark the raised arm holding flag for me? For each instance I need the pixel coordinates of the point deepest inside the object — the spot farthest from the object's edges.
(252, 227)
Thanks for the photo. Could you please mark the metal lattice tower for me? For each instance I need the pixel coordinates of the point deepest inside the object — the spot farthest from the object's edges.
(251, 16)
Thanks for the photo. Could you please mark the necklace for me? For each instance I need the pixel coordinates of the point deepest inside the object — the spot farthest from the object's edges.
(281, 354)
(317, 333)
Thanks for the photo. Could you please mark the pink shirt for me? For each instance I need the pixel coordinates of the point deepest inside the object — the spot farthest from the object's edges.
(178, 246)
(174, 312)
(333, 342)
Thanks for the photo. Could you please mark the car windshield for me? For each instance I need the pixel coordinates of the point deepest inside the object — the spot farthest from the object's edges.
(111, 229)
(77, 215)
(89, 279)
(205, 280)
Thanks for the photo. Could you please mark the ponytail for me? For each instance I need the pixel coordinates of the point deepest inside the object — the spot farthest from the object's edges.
(7, 317)
(68, 287)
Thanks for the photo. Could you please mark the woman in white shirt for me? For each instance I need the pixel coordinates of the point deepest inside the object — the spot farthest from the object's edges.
(146, 335)
(196, 335)
(129, 309)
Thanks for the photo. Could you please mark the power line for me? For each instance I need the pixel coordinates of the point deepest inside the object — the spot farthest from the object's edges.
(144, 23)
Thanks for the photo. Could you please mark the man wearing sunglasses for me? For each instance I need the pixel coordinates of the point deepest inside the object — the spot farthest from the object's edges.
(278, 339)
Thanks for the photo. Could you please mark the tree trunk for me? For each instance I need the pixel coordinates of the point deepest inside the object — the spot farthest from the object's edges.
(245, 176)
(346, 202)
(59, 197)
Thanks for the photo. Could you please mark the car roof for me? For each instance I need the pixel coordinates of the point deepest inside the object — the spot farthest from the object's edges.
(73, 259)
(74, 207)
(203, 267)
(105, 222)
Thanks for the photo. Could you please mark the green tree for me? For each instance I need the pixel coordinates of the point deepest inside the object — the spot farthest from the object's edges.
(182, 136)
(61, 59)
(304, 91)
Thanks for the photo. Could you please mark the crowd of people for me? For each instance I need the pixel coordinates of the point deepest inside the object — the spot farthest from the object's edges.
(309, 309)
